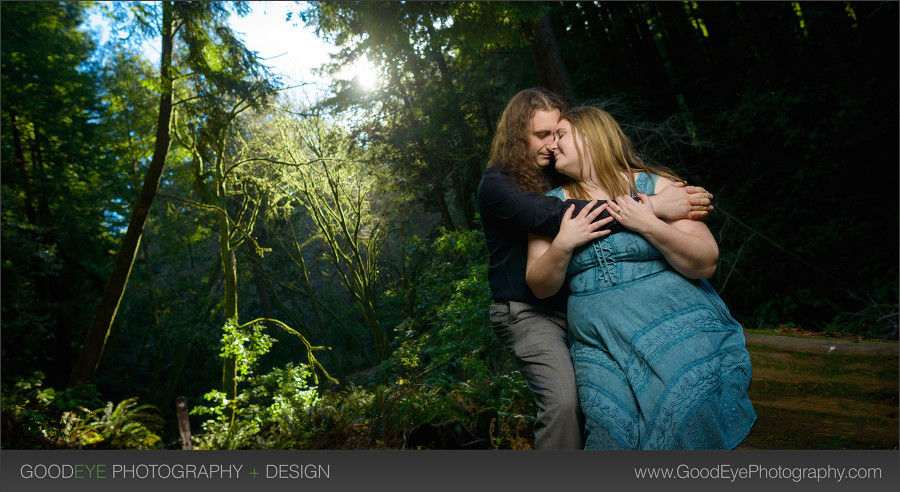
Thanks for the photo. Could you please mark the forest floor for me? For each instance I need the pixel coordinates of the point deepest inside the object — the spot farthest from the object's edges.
(809, 392)
(823, 393)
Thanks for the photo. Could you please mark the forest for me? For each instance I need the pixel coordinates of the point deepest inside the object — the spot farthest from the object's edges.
(313, 275)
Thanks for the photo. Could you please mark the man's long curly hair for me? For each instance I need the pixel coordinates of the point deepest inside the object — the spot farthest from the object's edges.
(509, 149)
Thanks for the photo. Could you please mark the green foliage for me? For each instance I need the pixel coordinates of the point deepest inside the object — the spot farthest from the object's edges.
(449, 353)
(453, 299)
(126, 425)
(38, 417)
(449, 373)
(351, 406)
(235, 420)
(34, 416)
(290, 398)
(60, 186)
(232, 425)
(448, 365)
(245, 345)
(878, 318)
(275, 412)
(440, 263)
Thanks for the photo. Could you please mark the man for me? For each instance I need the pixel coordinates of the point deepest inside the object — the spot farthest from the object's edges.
(512, 204)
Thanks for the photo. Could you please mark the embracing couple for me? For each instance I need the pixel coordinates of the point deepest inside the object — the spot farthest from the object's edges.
(598, 287)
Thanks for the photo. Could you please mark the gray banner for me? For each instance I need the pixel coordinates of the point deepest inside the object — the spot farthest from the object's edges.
(496, 471)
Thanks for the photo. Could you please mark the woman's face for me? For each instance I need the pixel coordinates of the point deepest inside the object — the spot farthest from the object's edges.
(566, 156)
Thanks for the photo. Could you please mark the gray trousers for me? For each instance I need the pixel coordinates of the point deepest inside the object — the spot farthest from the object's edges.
(538, 340)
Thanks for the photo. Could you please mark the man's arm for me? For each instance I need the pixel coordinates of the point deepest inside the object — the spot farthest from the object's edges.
(679, 201)
(501, 199)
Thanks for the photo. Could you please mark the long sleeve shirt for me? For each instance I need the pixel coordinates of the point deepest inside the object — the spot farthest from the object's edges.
(508, 214)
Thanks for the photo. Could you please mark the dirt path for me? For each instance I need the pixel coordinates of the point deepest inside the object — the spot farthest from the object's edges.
(813, 393)
(823, 345)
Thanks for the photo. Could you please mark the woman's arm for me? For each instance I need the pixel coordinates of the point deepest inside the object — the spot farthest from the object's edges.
(686, 244)
(548, 259)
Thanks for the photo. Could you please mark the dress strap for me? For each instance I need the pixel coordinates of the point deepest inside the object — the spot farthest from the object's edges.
(557, 192)
(646, 183)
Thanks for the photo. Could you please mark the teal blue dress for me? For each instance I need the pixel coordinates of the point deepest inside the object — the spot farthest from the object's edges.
(659, 361)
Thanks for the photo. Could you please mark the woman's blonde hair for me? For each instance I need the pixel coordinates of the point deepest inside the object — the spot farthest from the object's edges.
(610, 150)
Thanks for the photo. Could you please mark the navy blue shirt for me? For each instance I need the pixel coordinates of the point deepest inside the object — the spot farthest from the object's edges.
(508, 214)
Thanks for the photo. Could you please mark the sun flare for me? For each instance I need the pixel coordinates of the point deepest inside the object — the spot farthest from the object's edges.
(362, 72)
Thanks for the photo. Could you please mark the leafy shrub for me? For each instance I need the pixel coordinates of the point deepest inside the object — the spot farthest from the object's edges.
(449, 338)
(123, 426)
(878, 318)
(449, 366)
(233, 425)
(41, 418)
(439, 264)
(448, 374)
(275, 412)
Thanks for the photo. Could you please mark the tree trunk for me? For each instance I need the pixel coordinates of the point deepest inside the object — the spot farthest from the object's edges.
(438, 197)
(484, 103)
(154, 327)
(463, 199)
(461, 184)
(547, 61)
(327, 335)
(28, 185)
(262, 288)
(671, 70)
(379, 336)
(229, 369)
(39, 178)
(95, 340)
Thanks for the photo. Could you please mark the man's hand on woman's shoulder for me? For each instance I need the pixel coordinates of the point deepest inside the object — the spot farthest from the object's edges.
(677, 200)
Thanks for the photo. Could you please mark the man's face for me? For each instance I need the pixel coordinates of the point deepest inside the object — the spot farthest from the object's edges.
(541, 128)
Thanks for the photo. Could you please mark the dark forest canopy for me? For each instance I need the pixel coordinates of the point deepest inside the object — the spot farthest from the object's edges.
(277, 228)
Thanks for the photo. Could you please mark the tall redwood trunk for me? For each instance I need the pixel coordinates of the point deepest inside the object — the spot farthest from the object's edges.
(30, 214)
(547, 60)
(95, 340)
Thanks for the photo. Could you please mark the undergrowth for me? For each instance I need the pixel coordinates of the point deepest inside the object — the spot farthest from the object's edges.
(448, 384)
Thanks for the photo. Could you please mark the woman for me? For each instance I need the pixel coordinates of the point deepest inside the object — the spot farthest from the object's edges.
(659, 361)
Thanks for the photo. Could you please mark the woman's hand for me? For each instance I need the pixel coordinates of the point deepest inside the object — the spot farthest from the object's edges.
(686, 244)
(578, 230)
(548, 259)
(635, 215)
